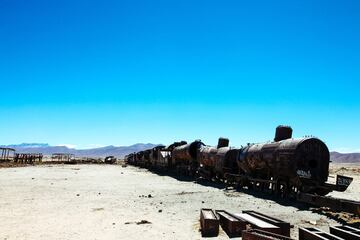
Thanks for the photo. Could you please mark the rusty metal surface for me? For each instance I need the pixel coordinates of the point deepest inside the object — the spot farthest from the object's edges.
(146, 158)
(186, 154)
(256, 234)
(207, 156)
(291, 158)
(225, 160)
(301, 162)
(139, 158)
(155, 155)
(316, 234)
(218, 161)
(209, 223)
(223, 142)
(346, 232)
(284, 226)
(231, 225)
(164, 160)
(335, 204)
(174, 145)
(282, 133)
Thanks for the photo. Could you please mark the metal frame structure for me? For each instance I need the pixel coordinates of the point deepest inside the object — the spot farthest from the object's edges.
(256, 234)
(29, 158)
(62, 157)
(316, 234)
(346, 232)
(7, 154)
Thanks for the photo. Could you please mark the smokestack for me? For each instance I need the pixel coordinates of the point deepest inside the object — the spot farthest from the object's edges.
(282, 133)
(223, 142)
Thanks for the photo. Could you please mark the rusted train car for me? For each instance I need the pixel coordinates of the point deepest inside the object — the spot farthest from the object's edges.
(285, 165)
(288, 165)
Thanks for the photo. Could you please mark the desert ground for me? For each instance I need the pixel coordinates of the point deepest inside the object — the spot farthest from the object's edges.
(115, 202)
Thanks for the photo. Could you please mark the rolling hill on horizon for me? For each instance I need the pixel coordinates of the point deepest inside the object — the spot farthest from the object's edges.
(345, 157)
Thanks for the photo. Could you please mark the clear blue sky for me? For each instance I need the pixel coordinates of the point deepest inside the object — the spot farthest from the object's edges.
(92, 73)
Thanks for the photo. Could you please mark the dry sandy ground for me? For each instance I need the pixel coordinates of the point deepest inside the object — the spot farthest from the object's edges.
(106, 202)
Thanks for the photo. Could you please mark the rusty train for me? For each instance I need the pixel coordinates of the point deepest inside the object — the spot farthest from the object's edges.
(284, 166)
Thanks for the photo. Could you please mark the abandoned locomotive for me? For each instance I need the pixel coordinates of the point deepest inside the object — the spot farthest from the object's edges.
(285, 165)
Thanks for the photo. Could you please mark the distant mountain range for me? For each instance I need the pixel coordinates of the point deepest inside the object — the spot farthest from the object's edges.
(29, 145)
(345, 157)
(121, 151)
(46, 149)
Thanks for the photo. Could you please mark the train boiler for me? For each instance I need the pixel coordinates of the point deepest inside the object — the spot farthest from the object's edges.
(214, 162)
(290, 164)
(161, 156)
(185, 157)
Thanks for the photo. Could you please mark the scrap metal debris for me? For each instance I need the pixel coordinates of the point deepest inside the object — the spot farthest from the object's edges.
(139, 223)
(341, 217)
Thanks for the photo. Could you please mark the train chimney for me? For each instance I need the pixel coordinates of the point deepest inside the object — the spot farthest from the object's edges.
(223, 142)
(282, 133)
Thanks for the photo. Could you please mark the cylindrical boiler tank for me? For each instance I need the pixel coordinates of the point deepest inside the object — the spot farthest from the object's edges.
(187, 153)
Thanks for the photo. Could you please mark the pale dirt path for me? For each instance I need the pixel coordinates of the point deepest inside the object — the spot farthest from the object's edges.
(96, 202)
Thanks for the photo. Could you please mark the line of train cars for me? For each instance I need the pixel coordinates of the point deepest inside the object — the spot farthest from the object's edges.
(285, 166)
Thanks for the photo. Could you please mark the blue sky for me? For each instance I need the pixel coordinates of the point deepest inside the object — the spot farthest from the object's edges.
(95, 73)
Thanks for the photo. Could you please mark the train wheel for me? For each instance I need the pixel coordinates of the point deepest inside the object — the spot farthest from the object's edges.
(284, 189)
(239, 185)
(281, 188)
